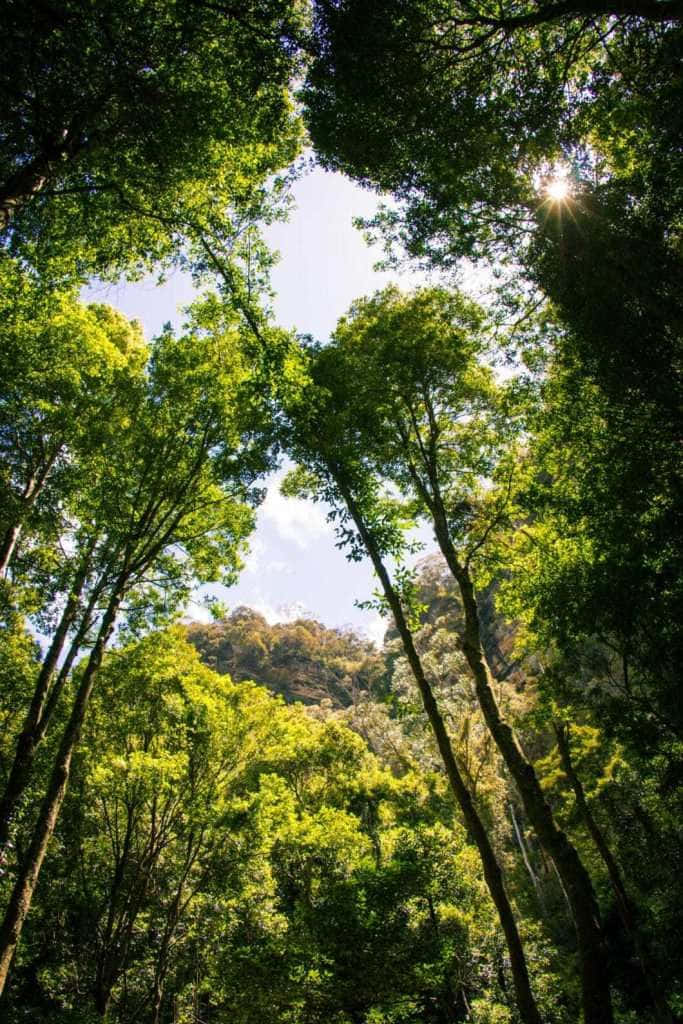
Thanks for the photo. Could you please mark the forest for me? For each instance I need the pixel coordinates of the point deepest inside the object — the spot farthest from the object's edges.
(244, 822)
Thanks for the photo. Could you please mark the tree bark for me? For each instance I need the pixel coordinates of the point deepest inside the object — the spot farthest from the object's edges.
(104, 976)
(527, 862)
(492, 873)
(27, 878)
(9, 543)
(29, 179)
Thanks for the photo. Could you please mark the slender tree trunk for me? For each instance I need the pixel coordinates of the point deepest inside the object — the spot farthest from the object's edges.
(492, 873)
(29, 179)
(45, 700)
(21, 187)
(172, 920)
(102, 1000)
(27, 878)
(527, 862)
(104, 976)
(597, 1005)
(627, 911)
(32, 492)
(7, 546)
(157, 999)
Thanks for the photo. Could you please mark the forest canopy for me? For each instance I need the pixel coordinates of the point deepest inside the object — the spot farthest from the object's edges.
(478, 819)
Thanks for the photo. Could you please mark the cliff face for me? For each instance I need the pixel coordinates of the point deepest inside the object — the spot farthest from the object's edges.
(438, 592)
(303, 660)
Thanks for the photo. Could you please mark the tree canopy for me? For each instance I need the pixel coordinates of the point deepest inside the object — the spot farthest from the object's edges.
(124, 124)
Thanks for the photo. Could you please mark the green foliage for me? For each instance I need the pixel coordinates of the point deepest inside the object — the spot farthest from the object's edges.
(124, 125)
(460, 111)
(220, 855)
(221, 847)
(600, 566)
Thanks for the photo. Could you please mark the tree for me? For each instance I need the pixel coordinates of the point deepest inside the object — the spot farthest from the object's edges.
(118, 123)
(60, 361)
(427, 418)
(169, 505)
(70, 372)
(219, 850)
(166, 777)
(326, 438)
(459, 110)
(603, 485)
(466, 150)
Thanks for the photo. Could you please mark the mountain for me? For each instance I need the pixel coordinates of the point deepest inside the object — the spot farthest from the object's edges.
(302, 660)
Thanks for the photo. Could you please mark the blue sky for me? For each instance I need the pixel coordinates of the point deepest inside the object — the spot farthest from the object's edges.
(294, 567)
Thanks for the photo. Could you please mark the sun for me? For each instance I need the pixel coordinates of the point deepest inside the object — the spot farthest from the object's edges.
(558, 189)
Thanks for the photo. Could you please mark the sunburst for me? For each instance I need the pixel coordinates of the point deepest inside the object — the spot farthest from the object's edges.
(558, 189)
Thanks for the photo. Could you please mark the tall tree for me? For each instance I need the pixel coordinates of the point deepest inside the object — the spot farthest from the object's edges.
(459, 110)
(60, 363)
(604, 486)
(326, 438)
(120, 120)
(427, 418)
(165, 774)
(171, 498)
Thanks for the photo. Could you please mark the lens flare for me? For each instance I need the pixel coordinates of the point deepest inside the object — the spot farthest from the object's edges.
(558, 189)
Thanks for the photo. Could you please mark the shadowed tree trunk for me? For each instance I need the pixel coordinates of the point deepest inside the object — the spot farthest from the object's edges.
(27, 877)
(31, 178)
(519, 836)
(46, 694)
(597, 1004)
(596, 997)
(627, 910)
(30, 495)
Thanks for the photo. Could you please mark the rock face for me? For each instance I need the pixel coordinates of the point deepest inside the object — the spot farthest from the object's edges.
(438, 592)
(303, 660)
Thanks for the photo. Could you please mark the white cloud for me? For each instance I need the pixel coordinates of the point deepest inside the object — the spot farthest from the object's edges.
(254, 558)
(375, 629)
(295, 520)
(281, 612)
(278, 566)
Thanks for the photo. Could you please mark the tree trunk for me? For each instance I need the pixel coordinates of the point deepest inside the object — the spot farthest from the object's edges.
(527, 862)
(627, 911)
(29, 179)
(597, 1005)
(105, 974)
(44, 701)
(172, 920)
(157, 1000)
(27, 878)
(9, 543)
(32, 492)
(492, 873)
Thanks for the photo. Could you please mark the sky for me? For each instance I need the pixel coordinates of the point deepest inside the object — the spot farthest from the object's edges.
(294, 568)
